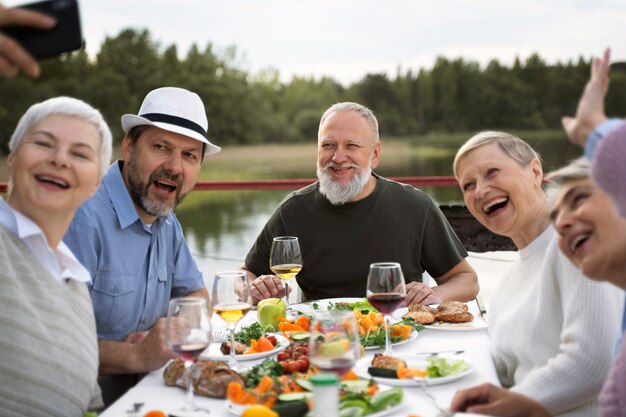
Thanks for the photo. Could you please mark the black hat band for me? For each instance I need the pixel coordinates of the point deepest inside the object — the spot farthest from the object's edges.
(174, 120)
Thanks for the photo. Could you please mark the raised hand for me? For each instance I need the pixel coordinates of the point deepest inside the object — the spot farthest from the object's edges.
(12, 56)
(590, 110)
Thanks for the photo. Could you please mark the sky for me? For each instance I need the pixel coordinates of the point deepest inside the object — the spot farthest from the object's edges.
(346, 39)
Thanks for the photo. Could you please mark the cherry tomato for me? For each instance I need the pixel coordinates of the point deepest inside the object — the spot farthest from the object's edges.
(273, 340)
(282, 356)
(290, 367)
(302, 365)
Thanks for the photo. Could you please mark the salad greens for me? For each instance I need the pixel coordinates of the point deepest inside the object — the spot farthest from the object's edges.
(377, 338)
(363, 306)
(438, 367)
(246, 334)
(268, 367)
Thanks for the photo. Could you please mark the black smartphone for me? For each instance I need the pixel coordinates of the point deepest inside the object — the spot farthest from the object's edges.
(64, 37)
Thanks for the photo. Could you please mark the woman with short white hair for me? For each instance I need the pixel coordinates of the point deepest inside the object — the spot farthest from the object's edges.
(49, 352)
(551, 328)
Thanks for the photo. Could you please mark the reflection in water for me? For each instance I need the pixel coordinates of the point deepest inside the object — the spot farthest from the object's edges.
(221, 226)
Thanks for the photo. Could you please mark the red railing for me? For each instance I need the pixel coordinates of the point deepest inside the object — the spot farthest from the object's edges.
(297, 183)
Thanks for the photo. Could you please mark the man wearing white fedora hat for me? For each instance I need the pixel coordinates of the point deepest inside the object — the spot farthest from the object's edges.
(131, 242)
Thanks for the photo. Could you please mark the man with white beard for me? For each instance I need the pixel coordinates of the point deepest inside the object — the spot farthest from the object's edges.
(353, 217)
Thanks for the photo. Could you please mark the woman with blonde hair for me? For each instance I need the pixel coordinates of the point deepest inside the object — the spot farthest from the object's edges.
(551, 328)
(49, 352)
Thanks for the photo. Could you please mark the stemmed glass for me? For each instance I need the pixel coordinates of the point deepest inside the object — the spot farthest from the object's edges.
(386, 291)
(334, 344)
(188, 333)
(286, 260)
(231, 301)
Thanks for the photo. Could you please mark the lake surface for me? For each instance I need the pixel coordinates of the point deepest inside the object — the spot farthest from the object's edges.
(221, 228)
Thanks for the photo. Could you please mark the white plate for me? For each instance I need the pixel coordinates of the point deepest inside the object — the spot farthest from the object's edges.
(413, 361)
(213, 351)
(478, 323)
(411, 338)
(307, 308)
(238, 409)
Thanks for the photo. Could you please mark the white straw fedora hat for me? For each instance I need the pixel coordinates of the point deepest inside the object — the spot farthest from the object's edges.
(176, 110)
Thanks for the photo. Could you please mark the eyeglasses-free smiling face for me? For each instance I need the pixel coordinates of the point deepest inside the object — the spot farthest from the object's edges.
(160, 169)
(591, 233)
(347, 153)
(55, 168)
(503, 195)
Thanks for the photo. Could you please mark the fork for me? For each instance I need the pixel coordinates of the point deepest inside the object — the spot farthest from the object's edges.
(219, 335)
(135, 411)
(442, 412)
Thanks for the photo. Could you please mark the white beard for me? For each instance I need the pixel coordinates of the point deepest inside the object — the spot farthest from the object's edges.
(339, 194)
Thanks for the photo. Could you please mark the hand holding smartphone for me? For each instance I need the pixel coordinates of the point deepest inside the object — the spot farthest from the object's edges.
(65, 36)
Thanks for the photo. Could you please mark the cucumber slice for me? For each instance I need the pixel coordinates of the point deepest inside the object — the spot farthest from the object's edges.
(291, 409)
(358, 386)
(301, 337)
(295, 396)
(305, 383)
(383, 372)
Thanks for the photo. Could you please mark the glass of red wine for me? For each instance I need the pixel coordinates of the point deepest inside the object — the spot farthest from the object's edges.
(188, 334)
(386, 291)
(334, 344)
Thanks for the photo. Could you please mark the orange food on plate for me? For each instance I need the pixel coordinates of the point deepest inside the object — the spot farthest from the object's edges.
(155, 413)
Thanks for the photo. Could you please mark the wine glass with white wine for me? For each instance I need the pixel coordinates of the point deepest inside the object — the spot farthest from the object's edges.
(286, 260)
(231, 301)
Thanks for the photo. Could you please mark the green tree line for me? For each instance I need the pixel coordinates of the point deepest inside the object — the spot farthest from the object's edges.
(455, 95)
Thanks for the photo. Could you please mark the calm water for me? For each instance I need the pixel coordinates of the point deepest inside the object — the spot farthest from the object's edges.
(223, 227)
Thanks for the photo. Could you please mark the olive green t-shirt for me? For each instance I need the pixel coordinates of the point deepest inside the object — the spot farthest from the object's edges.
(395, 223)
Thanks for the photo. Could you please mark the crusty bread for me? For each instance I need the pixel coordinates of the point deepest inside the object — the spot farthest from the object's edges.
(210, 379)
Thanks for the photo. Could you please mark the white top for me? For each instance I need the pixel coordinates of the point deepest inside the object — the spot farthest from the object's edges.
(553, 330)
(61, 264)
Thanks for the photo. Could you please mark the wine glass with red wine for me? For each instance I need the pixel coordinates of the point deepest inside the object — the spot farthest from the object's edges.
(188, 334)
(386, 291)
(334, 344)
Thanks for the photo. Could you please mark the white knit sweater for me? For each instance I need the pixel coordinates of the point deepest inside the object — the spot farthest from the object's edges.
(553, 330)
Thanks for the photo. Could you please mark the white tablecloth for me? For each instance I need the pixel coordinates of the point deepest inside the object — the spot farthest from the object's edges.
(156, 396)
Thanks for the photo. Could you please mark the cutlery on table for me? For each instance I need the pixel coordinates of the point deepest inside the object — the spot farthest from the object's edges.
(451, 352)
(482, 309)
(442, 411)
(135, 410)
(219, 336)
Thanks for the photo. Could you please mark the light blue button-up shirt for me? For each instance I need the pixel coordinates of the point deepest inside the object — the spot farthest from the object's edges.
(135, 268)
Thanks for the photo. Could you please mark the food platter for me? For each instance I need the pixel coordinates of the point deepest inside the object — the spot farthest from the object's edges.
(308, 307)
(413, 361)
(477, 324)
(213, 351)
(411, 338)
(238, 409)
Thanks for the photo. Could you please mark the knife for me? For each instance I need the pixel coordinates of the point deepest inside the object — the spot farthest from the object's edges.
(481, 307)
